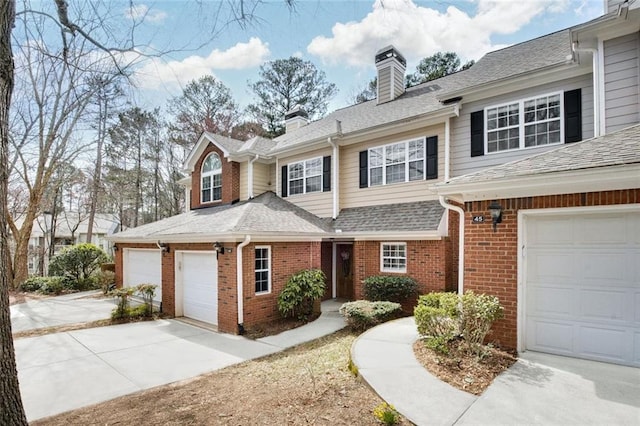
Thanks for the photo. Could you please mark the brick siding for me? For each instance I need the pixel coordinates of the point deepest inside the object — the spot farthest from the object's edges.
(230, 179)
(491, 262)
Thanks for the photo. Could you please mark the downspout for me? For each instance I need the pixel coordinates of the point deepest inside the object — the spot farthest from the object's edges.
(459, 210)
(334, 177)
(239, 283)
(596, 84)
(447, 149)
(250, 176)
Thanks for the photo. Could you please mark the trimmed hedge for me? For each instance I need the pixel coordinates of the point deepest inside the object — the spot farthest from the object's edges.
(389, 288)
(44, 285)
(363, 314)
(300, 292)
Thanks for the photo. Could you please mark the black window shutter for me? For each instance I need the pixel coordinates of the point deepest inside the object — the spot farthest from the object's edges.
(432, 158)
(326, 173)
(573, 116)
(284, 181)
(364, 169)
(477, 133)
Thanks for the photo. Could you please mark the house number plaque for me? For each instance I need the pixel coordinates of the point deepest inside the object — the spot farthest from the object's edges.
(477, 219)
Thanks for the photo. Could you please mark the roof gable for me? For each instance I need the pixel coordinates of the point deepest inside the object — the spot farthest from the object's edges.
(228, 146)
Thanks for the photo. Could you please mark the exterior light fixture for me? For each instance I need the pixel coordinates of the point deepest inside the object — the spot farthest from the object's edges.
(115, 247)
(164, 247)
(218, 247)
(496, 214)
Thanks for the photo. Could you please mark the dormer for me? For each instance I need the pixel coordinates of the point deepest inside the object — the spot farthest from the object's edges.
(214, 178)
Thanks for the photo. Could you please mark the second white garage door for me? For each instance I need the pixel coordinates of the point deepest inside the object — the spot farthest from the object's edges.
(143, 266)
(198, 272)
(582, 285)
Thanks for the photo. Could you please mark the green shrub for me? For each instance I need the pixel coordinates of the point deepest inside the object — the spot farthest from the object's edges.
(479, 311)
(138, 311)
(52, 285)
(436, 315)
(389, 289)
(300, 292)
(78, 263)
(363, 314)
(147, 291)
(32, 284)
(123, 296)
(106, 280)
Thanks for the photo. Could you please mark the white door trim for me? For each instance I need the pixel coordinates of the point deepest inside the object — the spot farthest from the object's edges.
(523, 215)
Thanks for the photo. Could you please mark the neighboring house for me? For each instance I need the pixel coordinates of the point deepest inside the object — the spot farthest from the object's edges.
(70, 228)
(378, 188)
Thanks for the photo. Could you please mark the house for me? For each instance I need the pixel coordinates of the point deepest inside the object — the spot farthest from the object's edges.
(69, 228)
(389, 187)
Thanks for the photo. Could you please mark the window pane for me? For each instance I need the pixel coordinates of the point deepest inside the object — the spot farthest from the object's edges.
(416, 170)
(217, 193)
(314, 184)
(313, 167)
(395, 153)
(217, 180)
(296, 171)
(375, 176)
(394, 257)
(416, 149)
(212, 163)
(375, 157)
(395, 173)
(296, 186)
(206, 182)
(206, 195)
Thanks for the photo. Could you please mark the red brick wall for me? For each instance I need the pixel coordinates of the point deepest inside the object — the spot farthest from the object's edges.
(230, 179)
(426, 263)
(452, 243)
(491, 263)
(286, 259)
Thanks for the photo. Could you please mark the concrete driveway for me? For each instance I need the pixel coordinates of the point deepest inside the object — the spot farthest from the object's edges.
(61, 310)
(63, 371)
(542, 389)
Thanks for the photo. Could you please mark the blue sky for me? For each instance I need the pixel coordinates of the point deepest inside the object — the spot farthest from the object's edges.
(340, 37)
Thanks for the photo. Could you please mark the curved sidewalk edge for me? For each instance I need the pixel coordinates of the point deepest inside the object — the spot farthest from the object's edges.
(385, 360)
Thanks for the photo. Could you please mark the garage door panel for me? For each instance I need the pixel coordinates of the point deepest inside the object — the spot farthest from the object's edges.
(144, 267)
(603, 305)
(200, 286)
(603, 343)
(551, 301)
(554, 336)
(582, 285)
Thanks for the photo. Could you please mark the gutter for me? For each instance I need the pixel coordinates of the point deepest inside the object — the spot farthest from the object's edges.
(239, 283)
(446, 205)
(596, 84)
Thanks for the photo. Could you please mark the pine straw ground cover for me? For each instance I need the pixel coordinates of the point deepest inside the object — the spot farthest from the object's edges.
(306, 385)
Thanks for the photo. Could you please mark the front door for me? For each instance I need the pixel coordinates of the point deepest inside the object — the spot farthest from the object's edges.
(344, 271)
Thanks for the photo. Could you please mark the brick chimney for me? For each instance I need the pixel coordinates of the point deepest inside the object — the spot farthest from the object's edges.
(295, 118)
(391, 66)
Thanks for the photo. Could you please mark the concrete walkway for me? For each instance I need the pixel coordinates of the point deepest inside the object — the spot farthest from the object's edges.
(64, 371)
(539, 389)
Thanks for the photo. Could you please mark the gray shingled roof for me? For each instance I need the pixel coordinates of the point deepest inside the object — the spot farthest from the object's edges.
(413, 217)
(257, 145)
(265, 214)
(539, 53)
(532, 55)
(618, 148)
(230, 145)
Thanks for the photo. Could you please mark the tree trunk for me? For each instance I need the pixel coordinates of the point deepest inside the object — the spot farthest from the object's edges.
(11, 410)
(97, 173)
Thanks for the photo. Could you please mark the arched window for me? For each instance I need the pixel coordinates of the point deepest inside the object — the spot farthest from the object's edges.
(211, 179)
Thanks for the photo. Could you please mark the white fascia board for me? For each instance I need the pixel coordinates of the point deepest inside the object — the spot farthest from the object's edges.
(609, 178)
(608, 27)
(223, 237)
(198, 149)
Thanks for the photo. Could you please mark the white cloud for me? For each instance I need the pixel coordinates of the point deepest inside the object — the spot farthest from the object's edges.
(159, 73)
(141, 12)
(421, 31)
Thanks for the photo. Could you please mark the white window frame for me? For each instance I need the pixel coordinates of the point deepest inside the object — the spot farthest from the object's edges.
(521, 124)
(382, 257)
(268, 270)
(211, 175)
(306, 175)
(407, 162)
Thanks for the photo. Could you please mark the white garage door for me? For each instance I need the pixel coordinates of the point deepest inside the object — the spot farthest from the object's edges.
(143, 266)
(582, 285)
(199, 273)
